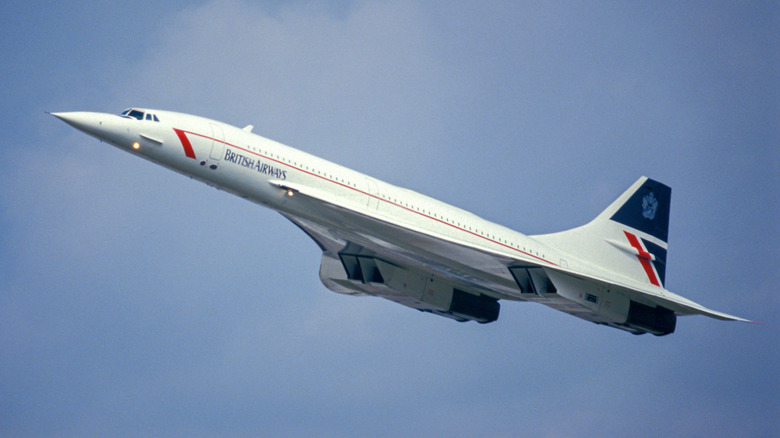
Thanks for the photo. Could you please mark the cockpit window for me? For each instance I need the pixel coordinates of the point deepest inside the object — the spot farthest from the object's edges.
(139, 115)
(134, 114)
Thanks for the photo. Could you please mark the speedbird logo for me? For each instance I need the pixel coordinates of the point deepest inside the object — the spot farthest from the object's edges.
(649, 206)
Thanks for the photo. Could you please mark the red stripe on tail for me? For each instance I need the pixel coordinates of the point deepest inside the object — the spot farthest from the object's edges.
(644, 258)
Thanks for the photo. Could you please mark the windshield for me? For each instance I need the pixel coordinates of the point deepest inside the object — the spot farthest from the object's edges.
(139, 115)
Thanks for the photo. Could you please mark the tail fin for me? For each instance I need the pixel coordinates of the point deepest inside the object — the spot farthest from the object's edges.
(630, 237)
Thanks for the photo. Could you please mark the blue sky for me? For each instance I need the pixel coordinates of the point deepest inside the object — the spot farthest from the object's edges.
(137, 302)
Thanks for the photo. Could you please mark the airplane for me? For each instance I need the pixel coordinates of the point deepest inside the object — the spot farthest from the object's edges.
(381, 240)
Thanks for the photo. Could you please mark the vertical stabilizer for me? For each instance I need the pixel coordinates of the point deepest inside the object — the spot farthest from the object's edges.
(630, 237)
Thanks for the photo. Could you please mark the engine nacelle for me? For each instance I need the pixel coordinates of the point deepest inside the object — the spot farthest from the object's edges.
(364, 274)
(598, 303)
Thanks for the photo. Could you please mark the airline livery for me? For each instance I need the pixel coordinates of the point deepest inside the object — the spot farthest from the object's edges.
(382, 240)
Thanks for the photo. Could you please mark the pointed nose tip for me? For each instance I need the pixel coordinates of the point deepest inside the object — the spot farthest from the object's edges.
(83, 121)
(61, 116)
(71, 118)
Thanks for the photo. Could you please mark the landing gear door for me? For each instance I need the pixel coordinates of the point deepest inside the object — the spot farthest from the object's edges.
(218, 142)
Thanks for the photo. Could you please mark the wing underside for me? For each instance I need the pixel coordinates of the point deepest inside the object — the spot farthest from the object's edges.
(367, 255)
(359, 265)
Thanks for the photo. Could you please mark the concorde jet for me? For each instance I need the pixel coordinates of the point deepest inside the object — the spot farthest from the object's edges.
(381, 240)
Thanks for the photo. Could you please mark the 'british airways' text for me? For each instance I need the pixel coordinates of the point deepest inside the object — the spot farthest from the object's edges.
(257, 165)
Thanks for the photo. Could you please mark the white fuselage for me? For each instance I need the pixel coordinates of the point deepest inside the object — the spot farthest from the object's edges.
(243, 163)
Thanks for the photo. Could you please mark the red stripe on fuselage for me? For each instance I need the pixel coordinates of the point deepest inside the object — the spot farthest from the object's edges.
(644, 258)
(185, 143)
